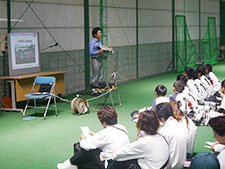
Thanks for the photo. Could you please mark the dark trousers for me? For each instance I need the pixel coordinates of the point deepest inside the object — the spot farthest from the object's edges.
(214, 98)
(129, 164)
(87, 159)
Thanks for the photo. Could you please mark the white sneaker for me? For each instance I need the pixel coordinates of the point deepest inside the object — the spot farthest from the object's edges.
(66, 165)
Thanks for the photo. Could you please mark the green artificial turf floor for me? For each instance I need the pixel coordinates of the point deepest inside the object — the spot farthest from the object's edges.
(41, 144)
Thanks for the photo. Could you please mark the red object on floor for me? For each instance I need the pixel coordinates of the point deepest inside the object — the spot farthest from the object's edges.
(6, 102)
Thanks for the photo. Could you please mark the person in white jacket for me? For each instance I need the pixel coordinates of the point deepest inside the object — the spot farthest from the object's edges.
(151, 149)
(160, 96)
(212, 77)
(191, 84)
(221, 107)
(175, 134)
(108, 140)
(205, 81)
(178, 87)
(188, 125)
(218, 126)
(202, 89)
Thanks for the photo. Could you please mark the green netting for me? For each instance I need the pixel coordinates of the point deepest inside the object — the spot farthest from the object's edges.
(209, 44)
(103, 22)
(185, 48)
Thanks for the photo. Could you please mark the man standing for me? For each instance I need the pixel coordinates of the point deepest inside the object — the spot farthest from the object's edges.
(97, 67)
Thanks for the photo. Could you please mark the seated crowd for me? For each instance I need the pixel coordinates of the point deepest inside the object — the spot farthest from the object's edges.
(198, 99)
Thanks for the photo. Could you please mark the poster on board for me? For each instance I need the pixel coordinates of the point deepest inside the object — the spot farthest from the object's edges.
(23, 53)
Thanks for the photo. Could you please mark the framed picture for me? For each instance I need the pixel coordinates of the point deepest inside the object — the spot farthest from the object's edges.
(24, 53)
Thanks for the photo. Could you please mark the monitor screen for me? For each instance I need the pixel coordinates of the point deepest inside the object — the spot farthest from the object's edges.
(23, 53)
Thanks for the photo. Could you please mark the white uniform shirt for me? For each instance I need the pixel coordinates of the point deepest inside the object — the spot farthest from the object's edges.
(215, 82)
(188, 102)
(186, 90)
(162, 99)
(222, 104)
(208, 85)
(194, 89)
(221, 158)
(151, 151)
(192, 131)
(177, 139)
(202, 89)
(108, 139)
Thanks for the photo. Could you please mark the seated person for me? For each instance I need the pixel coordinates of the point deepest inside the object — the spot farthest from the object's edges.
(178, 87)
(182, 78)
(188, 125)
(199, 114)
(174, 133)
(160, 94)
(218, 126)
(211, 98)
(202, 89)
(191, 84)
(150, 150)
(112, 137)
(221, 108)
(212, 77)
(188, 101)
(205, 81)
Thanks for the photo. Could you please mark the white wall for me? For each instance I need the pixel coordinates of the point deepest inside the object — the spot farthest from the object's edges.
(63, 18)
(155, 21)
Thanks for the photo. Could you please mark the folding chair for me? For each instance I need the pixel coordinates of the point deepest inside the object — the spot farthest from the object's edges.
(109, 89)
(46, 91)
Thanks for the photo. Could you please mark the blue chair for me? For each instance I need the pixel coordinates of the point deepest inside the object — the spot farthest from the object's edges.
(46, 91)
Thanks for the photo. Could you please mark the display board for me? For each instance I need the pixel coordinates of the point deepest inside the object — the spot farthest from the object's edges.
(23, 53)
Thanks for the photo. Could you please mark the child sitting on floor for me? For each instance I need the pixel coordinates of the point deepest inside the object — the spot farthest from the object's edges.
(205, 81)
(160, 94)
(178, 87)
(212, 77)
(221, 108)
(191, 84)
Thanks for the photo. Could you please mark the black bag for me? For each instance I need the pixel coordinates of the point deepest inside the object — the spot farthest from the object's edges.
(45, 88)
(76, 147)
(86, 159)
(128, 164)
(98, 85)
